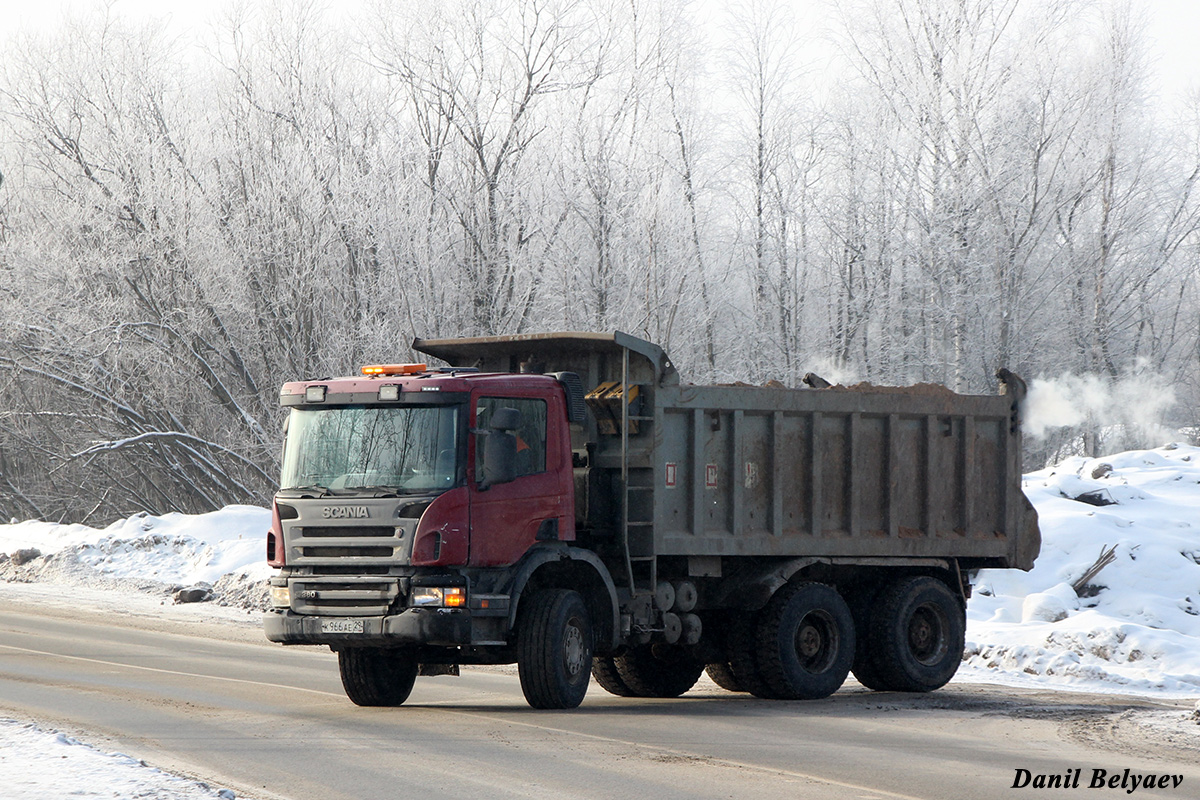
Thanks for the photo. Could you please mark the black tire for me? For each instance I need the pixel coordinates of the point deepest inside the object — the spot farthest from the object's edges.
(862, 607)
(741, 644)
(864, 669)
(917, 634)
(604, 670)
(805, 641)
(658, 670)
(375, 676)
(554, 649)
(723, 676)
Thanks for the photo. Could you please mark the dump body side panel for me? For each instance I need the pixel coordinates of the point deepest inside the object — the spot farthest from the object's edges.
(864, 472)
(858, 472)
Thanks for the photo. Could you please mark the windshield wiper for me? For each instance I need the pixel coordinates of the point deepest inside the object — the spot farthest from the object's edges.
(321, 491)
(378, 490)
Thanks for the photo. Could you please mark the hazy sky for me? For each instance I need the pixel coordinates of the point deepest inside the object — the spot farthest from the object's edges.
(1174, 25)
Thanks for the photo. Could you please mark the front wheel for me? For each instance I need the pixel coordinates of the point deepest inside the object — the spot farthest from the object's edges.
(554, 649)
(375, 676)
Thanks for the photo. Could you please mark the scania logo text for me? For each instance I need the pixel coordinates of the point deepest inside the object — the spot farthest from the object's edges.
(345, 512)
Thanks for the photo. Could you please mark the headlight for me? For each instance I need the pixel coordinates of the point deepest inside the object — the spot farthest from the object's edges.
(281, 597)
(445, 597)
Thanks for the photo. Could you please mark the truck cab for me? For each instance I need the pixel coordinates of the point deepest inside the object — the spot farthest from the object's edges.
(387, 476)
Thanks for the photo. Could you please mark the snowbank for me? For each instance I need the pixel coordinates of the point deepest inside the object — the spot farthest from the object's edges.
(222, 551)
(1135, 626)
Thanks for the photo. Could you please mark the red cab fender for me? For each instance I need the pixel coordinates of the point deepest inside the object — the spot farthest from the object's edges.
(602, 600)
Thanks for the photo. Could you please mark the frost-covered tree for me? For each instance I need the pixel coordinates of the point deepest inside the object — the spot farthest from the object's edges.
(185, 224)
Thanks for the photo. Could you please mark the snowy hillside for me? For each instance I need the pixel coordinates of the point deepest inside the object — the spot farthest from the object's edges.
(1136, 624)
(1134, 627)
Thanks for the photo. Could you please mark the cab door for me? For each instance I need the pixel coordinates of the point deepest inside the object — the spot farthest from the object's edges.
(508, 518)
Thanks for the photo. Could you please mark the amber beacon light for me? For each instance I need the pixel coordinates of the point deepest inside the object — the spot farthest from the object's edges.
(392, 369)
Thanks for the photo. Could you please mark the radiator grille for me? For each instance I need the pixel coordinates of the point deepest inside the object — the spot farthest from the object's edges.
(349, 546)
(331, 531)
(347, 552)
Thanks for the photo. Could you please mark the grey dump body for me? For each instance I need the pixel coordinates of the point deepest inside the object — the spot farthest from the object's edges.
(858, 474)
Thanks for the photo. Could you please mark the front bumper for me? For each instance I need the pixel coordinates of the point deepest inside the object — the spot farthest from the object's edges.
(414, 626)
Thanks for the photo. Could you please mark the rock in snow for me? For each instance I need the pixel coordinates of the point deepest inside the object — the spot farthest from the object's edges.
(24, 556)
(1052, 605)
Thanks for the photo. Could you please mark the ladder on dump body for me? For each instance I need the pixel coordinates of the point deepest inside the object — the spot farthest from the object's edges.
(637, 495)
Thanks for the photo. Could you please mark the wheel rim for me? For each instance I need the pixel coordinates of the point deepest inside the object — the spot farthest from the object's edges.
(816, 641)
(574, 649)
(927, 635)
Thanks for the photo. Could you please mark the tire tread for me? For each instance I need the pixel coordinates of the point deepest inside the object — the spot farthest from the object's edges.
(894, 672)
(376, 677)
(604, 670)
(537, 652)
(772, 662)
(647, 675)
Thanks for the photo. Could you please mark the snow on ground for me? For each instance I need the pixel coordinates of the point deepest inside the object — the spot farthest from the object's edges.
(132, 567)
(1134, 628)
(36, 765)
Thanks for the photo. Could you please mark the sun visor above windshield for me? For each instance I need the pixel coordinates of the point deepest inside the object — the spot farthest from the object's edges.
(596, 357)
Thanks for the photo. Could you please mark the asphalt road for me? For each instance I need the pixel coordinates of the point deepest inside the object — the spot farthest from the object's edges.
(216, 703)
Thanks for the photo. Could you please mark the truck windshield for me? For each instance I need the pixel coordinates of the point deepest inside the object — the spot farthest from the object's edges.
(353, 449)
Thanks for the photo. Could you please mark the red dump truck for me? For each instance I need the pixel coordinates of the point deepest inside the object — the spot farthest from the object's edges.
(563, 502)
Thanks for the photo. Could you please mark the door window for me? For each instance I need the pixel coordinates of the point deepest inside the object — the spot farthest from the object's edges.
(530, 433)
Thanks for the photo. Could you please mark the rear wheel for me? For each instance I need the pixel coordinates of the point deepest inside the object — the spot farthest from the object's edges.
(658, 670)
(718, 627)
(917, 635)
(554, 649)
(723, 676)
(374, 676)
(742, 649)
(805, 641)
(604, 670)
(862, 608)
(865, 671)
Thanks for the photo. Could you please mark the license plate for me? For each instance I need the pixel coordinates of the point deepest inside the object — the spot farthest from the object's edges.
(341, 626)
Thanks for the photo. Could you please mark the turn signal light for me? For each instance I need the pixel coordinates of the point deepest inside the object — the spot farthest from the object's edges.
(444, 596)
(392, 369)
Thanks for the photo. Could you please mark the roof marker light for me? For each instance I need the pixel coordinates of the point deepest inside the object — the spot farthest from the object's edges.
(314, 394)
(389, 391)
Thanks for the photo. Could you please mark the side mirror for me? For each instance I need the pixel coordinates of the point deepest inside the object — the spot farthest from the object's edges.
(499, 458)
(500, 448)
